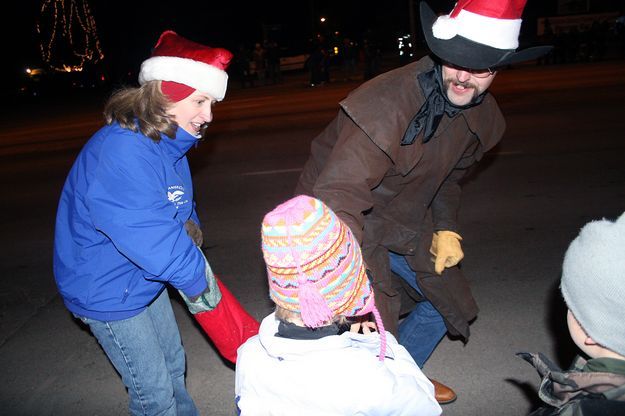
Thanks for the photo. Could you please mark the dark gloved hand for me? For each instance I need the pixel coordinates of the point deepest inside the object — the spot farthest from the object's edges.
(207, 300)
(194, 231)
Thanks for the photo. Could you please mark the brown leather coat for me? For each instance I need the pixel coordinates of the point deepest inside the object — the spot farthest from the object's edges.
(393, 197)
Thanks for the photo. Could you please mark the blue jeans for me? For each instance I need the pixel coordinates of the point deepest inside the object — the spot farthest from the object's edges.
(422, 330)
(147, 352)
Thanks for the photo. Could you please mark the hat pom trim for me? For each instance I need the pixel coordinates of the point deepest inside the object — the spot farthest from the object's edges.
(445, 28)
(314, 309)
(201, 76)
(489, 31)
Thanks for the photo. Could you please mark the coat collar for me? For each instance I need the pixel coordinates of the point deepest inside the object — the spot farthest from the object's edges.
(177, 147)
(558, 386)
(295, 349)
(287, 348)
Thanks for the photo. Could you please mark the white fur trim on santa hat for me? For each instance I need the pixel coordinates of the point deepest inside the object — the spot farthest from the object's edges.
(489, 31)
(199, 75)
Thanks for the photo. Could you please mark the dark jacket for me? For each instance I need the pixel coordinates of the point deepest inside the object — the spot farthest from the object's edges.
(580, 390)
(393, 197)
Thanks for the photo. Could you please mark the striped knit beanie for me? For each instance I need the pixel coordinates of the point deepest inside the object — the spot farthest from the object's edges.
(314, 264)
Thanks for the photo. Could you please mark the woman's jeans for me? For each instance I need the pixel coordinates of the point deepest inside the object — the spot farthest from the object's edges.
(147, 352)
(422, 330)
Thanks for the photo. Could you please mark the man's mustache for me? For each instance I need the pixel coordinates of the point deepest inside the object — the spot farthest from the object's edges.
(465, 84)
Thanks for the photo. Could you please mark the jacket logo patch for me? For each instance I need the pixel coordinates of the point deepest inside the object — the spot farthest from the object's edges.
(174, 196)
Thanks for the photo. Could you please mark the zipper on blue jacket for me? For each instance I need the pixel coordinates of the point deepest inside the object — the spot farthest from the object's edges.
(126, 293)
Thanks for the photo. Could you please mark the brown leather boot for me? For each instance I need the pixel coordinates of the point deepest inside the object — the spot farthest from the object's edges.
(442, 393)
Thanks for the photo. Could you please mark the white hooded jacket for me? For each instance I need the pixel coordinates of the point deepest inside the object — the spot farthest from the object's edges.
(335, 375)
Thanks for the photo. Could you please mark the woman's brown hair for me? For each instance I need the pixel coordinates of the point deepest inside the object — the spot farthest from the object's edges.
(141, 109)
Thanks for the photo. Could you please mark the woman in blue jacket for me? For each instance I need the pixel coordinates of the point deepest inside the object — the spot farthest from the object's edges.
(126, 223)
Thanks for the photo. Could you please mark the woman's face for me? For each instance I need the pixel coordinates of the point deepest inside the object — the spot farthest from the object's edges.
(193, 112)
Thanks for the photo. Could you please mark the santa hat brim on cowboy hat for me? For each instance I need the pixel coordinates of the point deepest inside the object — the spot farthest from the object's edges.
(475, 41)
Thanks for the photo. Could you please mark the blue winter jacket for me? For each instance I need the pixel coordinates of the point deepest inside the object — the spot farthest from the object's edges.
(120, 225)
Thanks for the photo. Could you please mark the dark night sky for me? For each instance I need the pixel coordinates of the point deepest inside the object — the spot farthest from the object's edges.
(128, 28)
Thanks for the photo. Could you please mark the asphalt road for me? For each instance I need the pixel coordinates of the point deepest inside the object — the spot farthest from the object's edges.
(561, 164)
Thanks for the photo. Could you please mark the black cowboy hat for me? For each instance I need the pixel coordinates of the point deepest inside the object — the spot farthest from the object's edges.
(464, 52)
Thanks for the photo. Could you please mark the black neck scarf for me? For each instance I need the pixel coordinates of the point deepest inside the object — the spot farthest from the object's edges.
(292, 331)
(435, 106)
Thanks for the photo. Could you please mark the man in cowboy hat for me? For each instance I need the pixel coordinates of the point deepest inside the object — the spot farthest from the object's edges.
(390, 163)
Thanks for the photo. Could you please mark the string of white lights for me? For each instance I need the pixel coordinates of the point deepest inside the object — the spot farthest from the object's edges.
(68, 37)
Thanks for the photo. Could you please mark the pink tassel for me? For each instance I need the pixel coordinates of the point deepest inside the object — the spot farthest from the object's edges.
(381, 331)
(313, 307)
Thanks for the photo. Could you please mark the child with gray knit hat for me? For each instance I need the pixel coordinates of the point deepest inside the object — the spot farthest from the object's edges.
(593, 287)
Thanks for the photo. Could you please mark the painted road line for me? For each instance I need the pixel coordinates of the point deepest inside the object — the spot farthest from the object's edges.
(271, 172)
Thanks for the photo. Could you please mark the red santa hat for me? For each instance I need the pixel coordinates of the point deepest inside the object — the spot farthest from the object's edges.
(185, 66)
(478, 34)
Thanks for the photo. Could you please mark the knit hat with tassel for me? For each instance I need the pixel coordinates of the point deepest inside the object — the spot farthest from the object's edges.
(315, 266)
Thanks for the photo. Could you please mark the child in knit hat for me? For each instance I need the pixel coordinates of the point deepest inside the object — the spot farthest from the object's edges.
(593, 287)
(307, 359)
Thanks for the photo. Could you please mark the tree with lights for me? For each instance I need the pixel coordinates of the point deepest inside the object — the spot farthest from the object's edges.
(68, 38)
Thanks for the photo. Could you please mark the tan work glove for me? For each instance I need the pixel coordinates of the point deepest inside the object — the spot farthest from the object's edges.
(446, 250)
(193, 231)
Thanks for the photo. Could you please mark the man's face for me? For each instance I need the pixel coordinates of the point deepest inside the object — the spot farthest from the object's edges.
(462, 85)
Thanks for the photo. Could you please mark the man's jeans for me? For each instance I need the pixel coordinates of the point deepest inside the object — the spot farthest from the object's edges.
(147, 352)
(422, 330)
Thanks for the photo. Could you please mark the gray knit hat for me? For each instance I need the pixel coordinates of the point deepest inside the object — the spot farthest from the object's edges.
(593, 281)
